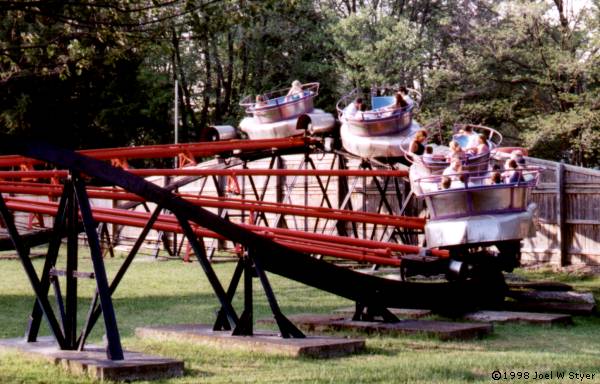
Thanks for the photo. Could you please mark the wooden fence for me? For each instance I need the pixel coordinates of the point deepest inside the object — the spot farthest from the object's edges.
(568, 225)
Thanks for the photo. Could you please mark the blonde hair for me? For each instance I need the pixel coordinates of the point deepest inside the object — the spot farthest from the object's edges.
(296, 83)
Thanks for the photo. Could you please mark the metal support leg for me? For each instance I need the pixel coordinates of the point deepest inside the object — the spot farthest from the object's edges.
(209, 271)
(245, 326)
(95, 310)
(221, 324)
(23, 252)
(53, 247)
(286, 327)
(114, 349)
(70, 324)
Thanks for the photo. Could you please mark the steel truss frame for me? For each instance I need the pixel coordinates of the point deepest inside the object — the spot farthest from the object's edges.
(262, 254)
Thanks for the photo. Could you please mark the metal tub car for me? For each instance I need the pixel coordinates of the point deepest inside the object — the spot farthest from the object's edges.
(279, 106)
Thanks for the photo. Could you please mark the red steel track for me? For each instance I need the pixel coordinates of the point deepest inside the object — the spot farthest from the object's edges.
(205, 149)
(364, 250)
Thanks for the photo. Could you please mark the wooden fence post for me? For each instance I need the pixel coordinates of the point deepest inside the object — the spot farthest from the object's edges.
(561, 214)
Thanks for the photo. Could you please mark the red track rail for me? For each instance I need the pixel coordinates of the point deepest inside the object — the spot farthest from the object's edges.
(204, 149)
(124, 217)
(236, 204)
(336, 246)
(49, 174)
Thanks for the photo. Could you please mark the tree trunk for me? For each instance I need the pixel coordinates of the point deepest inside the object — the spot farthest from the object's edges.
(229, 79)
(206, 91)
(244, 76)
(219, 81)
(177, 72)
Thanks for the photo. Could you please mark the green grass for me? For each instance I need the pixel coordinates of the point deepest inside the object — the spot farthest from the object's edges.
(174, 292)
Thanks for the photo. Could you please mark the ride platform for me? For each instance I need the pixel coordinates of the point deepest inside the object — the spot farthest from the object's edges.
(443, 330)
(260, 341)
(520, 317)
(92, 361)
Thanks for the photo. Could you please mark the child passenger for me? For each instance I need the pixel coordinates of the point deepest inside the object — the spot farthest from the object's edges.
(446, 182)
(296, 88)
(453, 169)
(455, 151)
(481, 148)
(512, 174)
(495, 178)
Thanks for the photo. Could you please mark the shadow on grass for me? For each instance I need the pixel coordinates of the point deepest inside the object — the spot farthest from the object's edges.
(141, 311)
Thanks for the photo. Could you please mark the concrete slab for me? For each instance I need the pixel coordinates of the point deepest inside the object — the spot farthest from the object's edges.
(545, 296)
(584, 309)
(519, 317)
(541, 286)
(261, 341)
(444, 330)
(94, 363)
(400, 312)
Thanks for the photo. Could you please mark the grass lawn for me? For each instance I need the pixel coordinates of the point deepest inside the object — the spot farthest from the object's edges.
(173, 292)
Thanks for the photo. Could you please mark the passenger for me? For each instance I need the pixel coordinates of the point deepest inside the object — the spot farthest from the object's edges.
(400, 102)
(459, 182)
(495, 178)
(428, 155)
(472, 137)
(481, 148)
(453, 169)
(455, 151)
(260, 101)
(396, 108)
(446, 182)
(416, 146)
(512, 174)
(352, 108)
(404, 93)
(360, 114)
(517, 155)
(296, 90)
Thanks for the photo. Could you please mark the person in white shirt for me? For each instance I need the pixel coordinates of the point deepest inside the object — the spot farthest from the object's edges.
(352, 108)
(453, 169)
(296, 88)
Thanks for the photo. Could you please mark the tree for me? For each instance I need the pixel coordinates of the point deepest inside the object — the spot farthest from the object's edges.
(70, 72)
(531, 69)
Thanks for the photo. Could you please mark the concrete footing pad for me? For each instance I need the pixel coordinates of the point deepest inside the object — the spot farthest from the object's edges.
(261, 341)
(443, 330)
(519, 317)
(582, 309)
(94, 363)
(400, 312)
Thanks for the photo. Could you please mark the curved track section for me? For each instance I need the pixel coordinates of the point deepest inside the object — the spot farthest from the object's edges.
(265, 253)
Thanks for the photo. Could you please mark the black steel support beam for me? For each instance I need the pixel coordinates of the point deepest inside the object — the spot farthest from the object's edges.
(114, 349)
(222, 324)
(70, 323)
(245, 326)
(286, 327)
(95, 310)
(40, 294)
(209, 271)
(51, 256)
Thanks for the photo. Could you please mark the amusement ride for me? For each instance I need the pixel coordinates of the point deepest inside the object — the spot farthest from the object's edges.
(306, 197)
